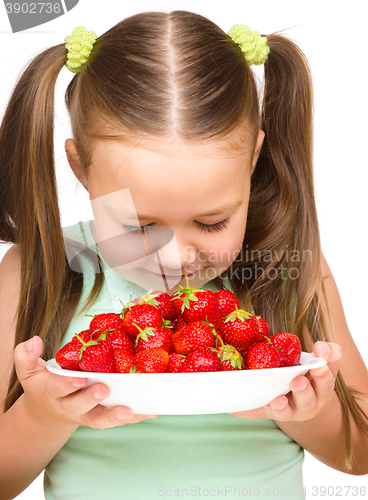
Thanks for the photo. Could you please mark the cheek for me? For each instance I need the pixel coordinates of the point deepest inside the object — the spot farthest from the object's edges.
(225, 247)
(223, 250)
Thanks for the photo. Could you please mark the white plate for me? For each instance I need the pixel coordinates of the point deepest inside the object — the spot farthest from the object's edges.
(195, 393)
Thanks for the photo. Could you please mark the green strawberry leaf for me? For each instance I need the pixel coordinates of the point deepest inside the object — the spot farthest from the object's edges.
(239, 314)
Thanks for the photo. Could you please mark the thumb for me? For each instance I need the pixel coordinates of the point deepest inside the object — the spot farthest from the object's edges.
(27, 357)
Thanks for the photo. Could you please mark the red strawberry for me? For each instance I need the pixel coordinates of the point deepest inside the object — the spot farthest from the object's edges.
(196, 304)
(84, 335)
(179, 323)
(149, 338)
(67, 356)
(162, 301)
(202, 360)
(239, 329)
(231, 359)
(105, 321)
(119, 339)
(97, 356)
(262, 355)
(193, 336)
(225, 302)
(175, 362)
(290, 349)
(141, 315)
(123, 361)
(176, 335)
(165, 306)
(151, 360)
(263, 328)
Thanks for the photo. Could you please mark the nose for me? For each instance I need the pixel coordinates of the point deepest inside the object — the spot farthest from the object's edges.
(177, 255)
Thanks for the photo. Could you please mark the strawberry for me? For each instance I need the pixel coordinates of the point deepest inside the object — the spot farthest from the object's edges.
(263, 328)
(196, 304)
(67, 356)
(151, 360)
(290, 349)
(141, 315)
(165, 306)
(123, 361)
(202, 360)
(262, 355)
(97, 356)
(84, 335)
(104, 321)
(176, 335)
(193, 336)
(240, 330)
(149, 338)
(225, 301)
(119, 339)
(179, 324)
(162, 301)
(175, 362)
(230, 358)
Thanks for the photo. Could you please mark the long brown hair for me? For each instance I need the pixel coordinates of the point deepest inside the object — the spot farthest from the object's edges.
(161, 75)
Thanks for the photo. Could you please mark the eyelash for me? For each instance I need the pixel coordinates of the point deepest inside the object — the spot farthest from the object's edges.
(219, 226)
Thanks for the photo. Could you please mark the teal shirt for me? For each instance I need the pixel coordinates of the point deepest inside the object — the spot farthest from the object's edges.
(217, 455)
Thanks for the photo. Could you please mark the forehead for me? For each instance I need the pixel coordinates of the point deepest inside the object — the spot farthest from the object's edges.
(171, 173)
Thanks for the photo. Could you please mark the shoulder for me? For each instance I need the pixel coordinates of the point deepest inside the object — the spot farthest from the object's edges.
(11, 260)
(10, 285)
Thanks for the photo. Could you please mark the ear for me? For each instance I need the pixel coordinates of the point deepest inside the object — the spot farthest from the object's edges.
(75, 163)
(261, 136)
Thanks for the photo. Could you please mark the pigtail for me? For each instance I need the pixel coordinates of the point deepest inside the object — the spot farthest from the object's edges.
(282, 226)
(29, 211)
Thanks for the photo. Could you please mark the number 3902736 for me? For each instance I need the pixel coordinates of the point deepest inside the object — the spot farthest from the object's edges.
(33, 8)
(339, 491)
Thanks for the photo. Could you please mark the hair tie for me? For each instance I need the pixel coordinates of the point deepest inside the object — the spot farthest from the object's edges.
(79, 45)
(253, 45)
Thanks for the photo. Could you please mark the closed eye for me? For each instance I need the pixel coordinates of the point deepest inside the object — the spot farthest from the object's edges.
(209, 228)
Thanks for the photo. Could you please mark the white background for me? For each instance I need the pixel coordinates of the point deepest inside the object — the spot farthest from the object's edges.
(332, 34)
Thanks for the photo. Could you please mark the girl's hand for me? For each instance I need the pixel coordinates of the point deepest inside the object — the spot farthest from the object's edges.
(63, 399)
(309, 393)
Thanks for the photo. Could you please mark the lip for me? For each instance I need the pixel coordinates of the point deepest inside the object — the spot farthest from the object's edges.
(169, 277)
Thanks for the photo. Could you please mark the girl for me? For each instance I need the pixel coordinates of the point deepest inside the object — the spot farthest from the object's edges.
(167, 126)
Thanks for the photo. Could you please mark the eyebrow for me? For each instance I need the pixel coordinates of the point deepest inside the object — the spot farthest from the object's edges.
(215, 211)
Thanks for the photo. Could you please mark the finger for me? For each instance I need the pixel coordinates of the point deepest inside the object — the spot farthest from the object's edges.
(82, 401)
(103, 418)
(323, 383)
(281, 408)
(303, 395)
(331, 352)
(27, 358)
(59, 387)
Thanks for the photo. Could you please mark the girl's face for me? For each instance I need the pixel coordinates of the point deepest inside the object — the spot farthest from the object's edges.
(162, 211)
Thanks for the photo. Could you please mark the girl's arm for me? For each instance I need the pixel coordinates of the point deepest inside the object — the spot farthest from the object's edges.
(322, 436)
(42, 420)
(27, 445)
(312, 416)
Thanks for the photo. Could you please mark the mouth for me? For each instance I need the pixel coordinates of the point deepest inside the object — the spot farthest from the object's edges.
(170, 277)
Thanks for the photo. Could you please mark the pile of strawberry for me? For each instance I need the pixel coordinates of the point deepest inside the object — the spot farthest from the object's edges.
(194, 330)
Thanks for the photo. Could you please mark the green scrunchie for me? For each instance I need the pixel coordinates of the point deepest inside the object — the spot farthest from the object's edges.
(253, 45)
(79, 45)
